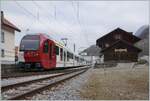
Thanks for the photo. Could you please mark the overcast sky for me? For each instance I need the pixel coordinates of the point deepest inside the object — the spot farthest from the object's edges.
(82, 22)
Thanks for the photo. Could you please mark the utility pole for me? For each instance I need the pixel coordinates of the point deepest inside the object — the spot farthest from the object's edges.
(74, 47)
(38, 15)
(55, 11)
(2, 17)
(78, 10)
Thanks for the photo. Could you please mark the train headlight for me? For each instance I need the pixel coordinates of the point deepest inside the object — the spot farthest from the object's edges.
(37, 54)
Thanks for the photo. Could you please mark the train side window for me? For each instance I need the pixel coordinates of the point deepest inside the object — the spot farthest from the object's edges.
(78, 59)
(64, 56)
(2, 53)
(71, 55)
(45, 47)
(57, 50)
(61, 54)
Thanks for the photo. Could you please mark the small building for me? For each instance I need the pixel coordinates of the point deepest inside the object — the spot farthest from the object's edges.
(7, 40)
(91, 54)
(118, 45)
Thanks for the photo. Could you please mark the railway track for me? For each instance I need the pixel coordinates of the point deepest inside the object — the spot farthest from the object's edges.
(28, 88)
(37, 72)
(30, 73)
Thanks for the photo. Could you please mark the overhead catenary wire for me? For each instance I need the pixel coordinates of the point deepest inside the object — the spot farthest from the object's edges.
(78, 20)
(54, 17)
(25, 14)
(39, 7)
(55, 14)
(29, 13)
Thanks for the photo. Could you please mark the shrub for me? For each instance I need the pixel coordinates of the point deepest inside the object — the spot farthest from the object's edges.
(142, 61)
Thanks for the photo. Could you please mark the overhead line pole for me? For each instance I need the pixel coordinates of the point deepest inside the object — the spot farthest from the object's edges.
(55, 11)
(55, 14)
(78, 19)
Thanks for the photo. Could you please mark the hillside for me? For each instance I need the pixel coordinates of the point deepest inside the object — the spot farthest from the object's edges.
(143, 33)
(93, 50)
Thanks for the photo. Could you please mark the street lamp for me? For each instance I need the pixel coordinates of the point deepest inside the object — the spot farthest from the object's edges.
(64, 40)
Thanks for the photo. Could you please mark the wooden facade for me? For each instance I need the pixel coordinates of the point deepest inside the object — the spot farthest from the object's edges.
(118, 45)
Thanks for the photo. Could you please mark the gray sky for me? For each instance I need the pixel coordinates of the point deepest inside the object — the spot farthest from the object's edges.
(82, 22)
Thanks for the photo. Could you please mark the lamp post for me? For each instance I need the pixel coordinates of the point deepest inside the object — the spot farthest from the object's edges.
(64, 41)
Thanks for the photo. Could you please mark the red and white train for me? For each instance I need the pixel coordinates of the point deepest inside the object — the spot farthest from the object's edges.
(41, 51)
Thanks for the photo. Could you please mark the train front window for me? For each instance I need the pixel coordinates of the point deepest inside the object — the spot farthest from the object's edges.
(29, 43)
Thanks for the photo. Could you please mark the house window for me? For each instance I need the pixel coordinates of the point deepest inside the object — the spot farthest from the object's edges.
(121, 50)
(117, 36)
(2, 53)
(106, 45)
(2, 37)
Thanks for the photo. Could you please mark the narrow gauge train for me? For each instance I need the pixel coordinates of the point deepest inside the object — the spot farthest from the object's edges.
(41, 51)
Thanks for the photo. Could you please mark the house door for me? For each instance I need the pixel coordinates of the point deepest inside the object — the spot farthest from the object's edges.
(121, 56)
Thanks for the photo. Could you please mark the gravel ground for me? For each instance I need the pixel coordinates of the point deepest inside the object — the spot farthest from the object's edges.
(22, 89)
(69, 90)
(118, 83)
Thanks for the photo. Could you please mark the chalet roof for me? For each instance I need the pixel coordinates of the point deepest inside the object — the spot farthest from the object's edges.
(8, 23)
(117, 31)
(123, 42)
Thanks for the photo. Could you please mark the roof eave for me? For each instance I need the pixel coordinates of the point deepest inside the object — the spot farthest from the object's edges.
(117, 43)
(12, 27)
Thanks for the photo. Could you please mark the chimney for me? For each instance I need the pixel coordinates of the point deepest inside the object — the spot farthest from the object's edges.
(2, 16)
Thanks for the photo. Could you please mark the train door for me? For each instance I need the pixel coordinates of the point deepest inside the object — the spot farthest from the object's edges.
(45, 55)
(52, 55)
(64, 59)
(61, 54)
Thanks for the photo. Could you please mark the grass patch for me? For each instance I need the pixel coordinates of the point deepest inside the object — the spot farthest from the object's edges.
(121, 84)
(142, 61)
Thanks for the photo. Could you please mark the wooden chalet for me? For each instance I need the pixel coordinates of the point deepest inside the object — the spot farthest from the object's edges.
(118, 45)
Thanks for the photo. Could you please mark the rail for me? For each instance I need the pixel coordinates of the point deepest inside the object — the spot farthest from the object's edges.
(40, 84)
